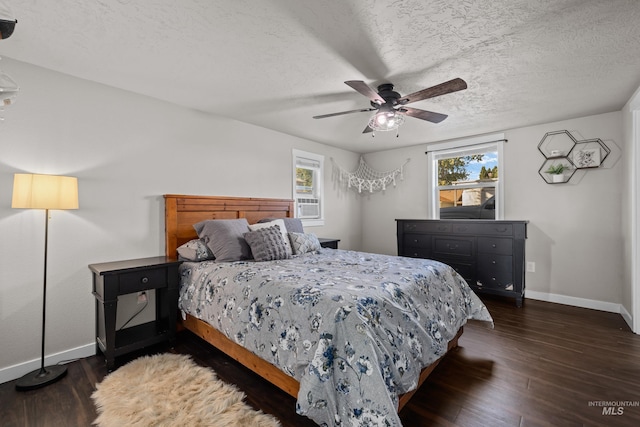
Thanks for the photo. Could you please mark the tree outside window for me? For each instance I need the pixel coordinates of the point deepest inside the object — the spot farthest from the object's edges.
(465, 181)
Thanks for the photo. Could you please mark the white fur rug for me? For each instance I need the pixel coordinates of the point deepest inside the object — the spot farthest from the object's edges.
(172, 390)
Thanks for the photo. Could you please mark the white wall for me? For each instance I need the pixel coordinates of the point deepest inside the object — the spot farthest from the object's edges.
(574, 233)
(127, 151)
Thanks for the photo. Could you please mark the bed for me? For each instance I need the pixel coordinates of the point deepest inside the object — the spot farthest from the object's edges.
(347, 340)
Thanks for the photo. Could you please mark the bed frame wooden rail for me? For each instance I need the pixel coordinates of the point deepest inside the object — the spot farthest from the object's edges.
(181, 212)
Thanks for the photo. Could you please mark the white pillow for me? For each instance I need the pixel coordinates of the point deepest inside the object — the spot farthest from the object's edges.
(281, 226)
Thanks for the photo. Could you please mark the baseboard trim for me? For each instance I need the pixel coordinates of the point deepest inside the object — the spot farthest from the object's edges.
(575, 301)
(627, 317)
(13, 372)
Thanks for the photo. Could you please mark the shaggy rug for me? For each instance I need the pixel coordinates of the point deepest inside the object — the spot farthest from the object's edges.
(172, 390)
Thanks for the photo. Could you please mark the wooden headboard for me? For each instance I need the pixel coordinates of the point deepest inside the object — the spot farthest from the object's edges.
(181, 212)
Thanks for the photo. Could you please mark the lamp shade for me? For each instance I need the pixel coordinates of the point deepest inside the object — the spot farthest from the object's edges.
(33, 191)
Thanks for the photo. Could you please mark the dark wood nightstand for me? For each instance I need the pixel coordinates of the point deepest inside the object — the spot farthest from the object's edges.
(111, 279)
(328, 243)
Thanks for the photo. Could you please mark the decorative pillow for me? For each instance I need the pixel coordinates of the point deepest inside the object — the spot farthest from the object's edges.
(267, 244)
(278, 223)
(195, 250)
(225, 238)
(302, 243)
(293, 225)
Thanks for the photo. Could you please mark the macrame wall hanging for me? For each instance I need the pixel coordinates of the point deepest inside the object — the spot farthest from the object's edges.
(367, 178)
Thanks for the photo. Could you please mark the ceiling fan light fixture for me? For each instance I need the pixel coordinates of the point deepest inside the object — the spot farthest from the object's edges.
(7, 22)
(386, 120)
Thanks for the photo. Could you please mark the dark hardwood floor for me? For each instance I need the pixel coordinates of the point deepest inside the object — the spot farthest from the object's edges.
(543, 365)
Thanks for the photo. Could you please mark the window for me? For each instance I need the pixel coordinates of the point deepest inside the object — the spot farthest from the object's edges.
(307, 187)
(465, 179)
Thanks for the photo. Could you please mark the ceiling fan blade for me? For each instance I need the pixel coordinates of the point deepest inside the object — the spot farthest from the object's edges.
(367, 130)
(429, 116)
(362, 110)
(365, 90)
(441, 89)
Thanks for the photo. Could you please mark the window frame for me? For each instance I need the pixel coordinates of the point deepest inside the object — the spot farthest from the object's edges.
(493, 142)
(318, 192)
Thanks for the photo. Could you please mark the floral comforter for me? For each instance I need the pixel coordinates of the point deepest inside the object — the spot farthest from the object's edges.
(355, 329)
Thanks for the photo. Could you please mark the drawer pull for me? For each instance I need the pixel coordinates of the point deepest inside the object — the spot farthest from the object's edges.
(144, 280)
(452, 246)
(415, 240)
(411, 227)
(442, 228)
(501, 229)
(493, 262)
(493, 245)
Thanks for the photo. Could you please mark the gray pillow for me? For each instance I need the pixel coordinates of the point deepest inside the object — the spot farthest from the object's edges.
(225, 238)
(195, 250)
(302, 243)
(280, 224)
(293, 225)
(267, 244)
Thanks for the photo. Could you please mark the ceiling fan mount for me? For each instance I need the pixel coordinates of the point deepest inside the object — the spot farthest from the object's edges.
(387, 93)
(391, 105)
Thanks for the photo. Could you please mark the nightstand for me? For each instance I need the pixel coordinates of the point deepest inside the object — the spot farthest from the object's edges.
(112, 279)
(328, 243)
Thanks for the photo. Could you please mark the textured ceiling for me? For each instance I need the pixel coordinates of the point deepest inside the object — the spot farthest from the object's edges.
(277, 63)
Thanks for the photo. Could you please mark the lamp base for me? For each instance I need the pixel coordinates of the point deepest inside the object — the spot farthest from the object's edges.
(41, 377)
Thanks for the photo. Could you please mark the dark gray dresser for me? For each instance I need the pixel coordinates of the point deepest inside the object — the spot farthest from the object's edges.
(490, 255)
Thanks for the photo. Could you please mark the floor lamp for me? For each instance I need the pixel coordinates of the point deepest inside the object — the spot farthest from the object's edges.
(32, 191)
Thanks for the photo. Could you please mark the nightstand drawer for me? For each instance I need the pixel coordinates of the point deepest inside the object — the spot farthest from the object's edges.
(142, 280)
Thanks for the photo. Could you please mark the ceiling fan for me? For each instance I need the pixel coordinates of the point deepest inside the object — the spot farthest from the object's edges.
(391, 106)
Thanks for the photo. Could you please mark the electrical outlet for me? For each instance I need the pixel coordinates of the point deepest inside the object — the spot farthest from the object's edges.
(531, 267)
(142, 297)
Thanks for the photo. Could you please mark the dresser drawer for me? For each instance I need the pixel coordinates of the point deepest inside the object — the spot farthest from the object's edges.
(467, 271)
(142, 280)
(417, 240)
(496, 271)
(450, 246)
(495, 245)
(427, 227)
(416, 252)
(466, 268)
(491, 229)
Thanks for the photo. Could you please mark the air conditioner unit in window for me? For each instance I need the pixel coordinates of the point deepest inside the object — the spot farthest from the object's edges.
(308, 208)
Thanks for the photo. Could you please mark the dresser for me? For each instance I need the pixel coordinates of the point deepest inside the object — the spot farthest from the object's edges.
(490, 255)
